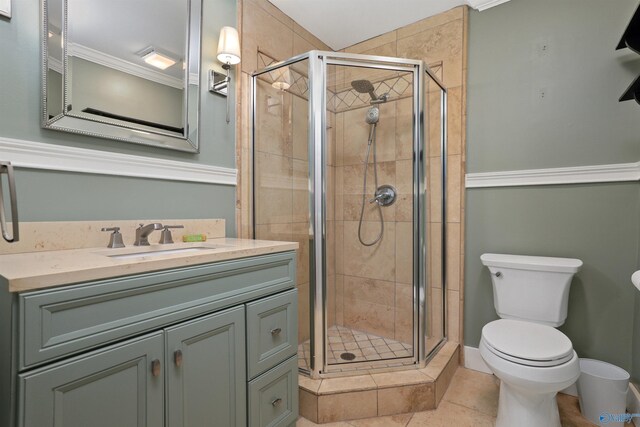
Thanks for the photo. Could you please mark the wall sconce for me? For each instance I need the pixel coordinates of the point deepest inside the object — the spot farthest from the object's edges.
(282, 79)
(228, 54)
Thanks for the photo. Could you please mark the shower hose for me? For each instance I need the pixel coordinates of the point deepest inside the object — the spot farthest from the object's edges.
(372, 141)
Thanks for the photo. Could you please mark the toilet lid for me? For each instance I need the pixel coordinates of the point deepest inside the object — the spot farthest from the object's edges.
(527, 343)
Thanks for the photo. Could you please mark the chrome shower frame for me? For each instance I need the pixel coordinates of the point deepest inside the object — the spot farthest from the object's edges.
(318, 62)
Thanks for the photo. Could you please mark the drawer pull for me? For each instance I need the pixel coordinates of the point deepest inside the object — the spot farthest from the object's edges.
(276, 331)
(177, 358)
(155, 367)
(276, 402)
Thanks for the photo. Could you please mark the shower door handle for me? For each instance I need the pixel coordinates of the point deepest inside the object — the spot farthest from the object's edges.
(6, 167)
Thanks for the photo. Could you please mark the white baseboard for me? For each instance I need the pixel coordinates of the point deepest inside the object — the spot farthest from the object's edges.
(473, 360)
(633, 403)
(38, 155)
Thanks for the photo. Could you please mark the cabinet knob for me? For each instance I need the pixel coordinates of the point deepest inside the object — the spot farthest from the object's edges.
(155, 368)
(276, 402)
(276, 331)
(177, 358)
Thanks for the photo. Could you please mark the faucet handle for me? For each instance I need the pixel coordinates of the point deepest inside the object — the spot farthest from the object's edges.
(115, 239)
(166, 236)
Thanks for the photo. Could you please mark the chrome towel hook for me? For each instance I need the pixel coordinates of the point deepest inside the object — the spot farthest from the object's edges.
(6, 167)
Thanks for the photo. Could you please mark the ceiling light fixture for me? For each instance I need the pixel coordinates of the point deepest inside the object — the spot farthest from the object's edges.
(157, 59)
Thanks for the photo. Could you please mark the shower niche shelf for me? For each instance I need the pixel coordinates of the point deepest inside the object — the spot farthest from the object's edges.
(631, 39)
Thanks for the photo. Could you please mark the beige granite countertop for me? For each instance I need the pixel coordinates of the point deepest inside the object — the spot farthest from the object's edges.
(39, 270)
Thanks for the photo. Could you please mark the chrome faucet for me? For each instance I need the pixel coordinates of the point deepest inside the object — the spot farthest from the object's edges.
(142, 233)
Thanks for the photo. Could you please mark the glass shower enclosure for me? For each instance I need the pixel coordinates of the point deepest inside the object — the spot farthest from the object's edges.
(349, 160)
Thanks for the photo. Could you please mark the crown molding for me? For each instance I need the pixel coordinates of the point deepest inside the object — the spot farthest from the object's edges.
(54, 64)
(38, 155)
(484, 4)
(621, 172)
(5, 8)
(107, 60)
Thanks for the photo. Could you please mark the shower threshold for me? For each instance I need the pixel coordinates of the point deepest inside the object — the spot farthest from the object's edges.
(405, 390)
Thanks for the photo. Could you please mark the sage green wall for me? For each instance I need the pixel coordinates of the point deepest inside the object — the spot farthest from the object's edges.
(597, 224)
(54, 87)
(92, 197)
(636, 343)
(124, 94)
(543, 84)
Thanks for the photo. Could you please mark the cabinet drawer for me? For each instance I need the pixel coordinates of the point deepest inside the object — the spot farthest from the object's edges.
(272, 331)
(273, 396)
(58, 322)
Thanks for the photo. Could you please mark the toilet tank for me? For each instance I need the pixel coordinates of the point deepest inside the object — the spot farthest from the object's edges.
(531, 288)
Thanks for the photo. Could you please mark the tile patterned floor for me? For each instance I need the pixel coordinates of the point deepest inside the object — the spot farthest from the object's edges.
(363, 346)
(470, 401)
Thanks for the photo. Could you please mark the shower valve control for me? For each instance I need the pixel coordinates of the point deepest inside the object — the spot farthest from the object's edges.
(385, 195)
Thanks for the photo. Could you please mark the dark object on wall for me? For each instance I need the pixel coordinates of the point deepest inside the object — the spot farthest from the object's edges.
(6, 167)
(632, 92)
(631, 36)
(631, 39)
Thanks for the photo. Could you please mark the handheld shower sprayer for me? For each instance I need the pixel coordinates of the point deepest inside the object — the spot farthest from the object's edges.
(381, 197)
(373, 115)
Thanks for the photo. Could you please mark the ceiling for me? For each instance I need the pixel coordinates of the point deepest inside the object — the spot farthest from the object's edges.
(122, 28)
(342, 23)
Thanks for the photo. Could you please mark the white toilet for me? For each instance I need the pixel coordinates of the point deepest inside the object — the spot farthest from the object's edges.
(532, 359)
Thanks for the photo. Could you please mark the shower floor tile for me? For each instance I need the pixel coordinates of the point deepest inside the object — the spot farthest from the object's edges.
(361, 345)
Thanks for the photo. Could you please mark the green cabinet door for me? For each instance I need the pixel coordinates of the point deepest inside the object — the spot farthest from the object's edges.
(121, 385)
(206, 371)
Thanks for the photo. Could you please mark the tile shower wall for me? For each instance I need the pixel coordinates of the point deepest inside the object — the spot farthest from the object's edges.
(373, 291)
(441, 41)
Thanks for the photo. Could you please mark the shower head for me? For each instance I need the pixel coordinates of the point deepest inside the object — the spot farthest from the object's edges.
(365, 86)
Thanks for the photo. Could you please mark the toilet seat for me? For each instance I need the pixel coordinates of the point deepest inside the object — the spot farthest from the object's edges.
(527, 343)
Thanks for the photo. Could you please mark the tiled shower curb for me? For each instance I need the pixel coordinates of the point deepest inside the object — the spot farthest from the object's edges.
(379, 394)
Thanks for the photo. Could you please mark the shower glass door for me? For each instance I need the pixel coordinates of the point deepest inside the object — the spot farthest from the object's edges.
(348, 161)
(370, 139)
(281, 179)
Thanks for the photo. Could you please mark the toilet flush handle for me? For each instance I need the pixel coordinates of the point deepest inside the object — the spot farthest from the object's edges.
(498, 274)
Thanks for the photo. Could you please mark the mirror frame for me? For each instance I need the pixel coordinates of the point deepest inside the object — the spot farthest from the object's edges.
(121, 130)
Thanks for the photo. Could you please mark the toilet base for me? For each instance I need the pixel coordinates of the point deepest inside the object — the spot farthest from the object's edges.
(517, 407)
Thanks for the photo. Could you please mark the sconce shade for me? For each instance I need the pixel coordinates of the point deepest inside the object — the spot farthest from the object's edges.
(283, 79)
(229, 46)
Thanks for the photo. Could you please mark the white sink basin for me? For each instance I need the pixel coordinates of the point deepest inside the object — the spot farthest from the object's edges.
(162, 252)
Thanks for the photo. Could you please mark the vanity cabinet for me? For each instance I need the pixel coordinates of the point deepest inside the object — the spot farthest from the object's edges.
(208, 345)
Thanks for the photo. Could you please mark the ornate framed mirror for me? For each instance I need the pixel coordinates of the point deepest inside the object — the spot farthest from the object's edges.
(124, 70)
